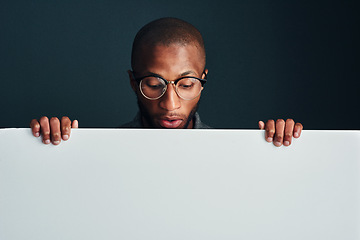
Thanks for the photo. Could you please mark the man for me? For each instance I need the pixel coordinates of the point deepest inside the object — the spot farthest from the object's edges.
(168, 74)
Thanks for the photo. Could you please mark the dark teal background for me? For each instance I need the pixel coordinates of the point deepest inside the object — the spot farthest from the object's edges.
(266, 59)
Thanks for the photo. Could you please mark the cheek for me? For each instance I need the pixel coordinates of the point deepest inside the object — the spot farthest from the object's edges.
(150, 105)
(188, 106)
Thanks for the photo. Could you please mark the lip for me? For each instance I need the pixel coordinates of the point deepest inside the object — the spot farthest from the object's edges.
(170, 122)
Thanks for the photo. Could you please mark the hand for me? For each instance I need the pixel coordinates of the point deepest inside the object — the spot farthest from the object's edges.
(281, 132)
(53, 130)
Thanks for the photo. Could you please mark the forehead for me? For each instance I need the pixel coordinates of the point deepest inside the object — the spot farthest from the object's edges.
(173, 59)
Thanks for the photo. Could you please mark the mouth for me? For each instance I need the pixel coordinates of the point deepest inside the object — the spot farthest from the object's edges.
(170, 122)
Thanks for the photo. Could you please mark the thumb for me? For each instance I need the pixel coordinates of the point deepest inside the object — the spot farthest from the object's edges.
(75, 124)
(261, 125)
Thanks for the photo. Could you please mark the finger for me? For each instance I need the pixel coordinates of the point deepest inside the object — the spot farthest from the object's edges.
(55, 130)
(75, 124)
(65, 128)
(35, 127)
(45, 129)
(261, 125)
(279, 132)
(297, 130)
(289, 128)
(269, 130)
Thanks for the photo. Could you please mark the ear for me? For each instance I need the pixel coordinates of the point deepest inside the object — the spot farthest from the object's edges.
(204, 76)
(205, 73)
(133, 83)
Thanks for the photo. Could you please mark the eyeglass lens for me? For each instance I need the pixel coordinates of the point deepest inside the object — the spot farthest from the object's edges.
(154, 87)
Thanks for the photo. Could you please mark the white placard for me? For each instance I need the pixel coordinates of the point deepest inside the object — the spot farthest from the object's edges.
(179, 184)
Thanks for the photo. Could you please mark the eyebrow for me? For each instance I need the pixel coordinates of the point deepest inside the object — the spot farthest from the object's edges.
(187, 73)
(190, 72)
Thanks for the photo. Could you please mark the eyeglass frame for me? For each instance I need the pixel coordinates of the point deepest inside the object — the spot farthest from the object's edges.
(138, 80)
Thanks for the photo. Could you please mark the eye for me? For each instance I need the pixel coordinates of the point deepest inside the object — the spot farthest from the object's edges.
(154, 86)
(186, 86)
(186, 83)
(153, 83)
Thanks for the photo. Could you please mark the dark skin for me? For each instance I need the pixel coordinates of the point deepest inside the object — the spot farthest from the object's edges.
(169, 111)
(170, 63)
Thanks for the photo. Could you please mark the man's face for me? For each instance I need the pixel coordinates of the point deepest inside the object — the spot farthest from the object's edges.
(170, 62)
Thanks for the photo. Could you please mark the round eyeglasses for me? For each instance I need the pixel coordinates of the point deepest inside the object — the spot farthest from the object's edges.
(154, 87)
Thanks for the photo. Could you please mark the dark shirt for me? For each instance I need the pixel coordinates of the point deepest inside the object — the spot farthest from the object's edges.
(137, 123)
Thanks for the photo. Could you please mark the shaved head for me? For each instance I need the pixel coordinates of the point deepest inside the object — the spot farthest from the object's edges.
(166, 32)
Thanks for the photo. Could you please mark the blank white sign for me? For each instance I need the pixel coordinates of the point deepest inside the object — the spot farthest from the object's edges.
(179, 184)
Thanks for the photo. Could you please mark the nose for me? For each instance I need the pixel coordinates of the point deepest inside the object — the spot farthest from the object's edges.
(170, 101)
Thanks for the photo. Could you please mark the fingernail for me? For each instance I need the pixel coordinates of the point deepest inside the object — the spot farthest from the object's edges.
(56, 142)
(286, 143)
(65, 137)
(37, 134)
(47, 141)
(278, 144)
(296, 134)
(269, 139)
